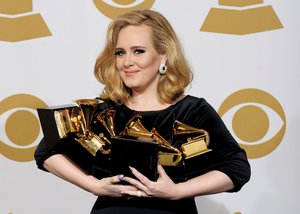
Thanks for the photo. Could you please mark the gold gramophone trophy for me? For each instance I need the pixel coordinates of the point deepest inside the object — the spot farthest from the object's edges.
(192, 158)
(197, 157)
(194, 145)
(167, 155)
(82, 119)
(68, 128)
(134, 128)
(106, 117)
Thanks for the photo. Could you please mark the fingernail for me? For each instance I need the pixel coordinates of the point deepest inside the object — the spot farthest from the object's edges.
(131, 168)
(121, 177)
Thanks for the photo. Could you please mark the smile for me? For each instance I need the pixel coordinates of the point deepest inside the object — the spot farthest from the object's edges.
(130, 72)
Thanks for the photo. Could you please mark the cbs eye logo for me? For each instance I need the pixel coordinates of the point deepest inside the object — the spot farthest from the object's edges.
(21, 126)
(258, 122)
(113, 8)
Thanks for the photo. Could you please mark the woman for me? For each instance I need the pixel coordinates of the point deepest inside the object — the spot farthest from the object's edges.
(145, 72)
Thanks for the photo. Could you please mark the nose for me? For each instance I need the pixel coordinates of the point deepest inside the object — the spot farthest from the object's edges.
(128, 60)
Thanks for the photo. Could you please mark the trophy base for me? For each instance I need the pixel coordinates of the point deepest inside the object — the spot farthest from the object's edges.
(54, 128)
(142, 155)
(99, 172)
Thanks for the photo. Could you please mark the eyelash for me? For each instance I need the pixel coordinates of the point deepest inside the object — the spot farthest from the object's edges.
(140, 51)
(120, 53)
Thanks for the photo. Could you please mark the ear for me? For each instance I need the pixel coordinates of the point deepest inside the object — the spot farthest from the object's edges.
(163, 59)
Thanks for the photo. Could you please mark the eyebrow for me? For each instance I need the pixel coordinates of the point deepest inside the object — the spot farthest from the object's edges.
(133, 47)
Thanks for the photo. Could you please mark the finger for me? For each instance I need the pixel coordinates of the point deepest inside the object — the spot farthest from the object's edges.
(139, 193)
(116, 179)
(121, 177)
(143, 179)
(126, 188)
(136, 193)
(161, 171)
(136, 183)
(133, 181)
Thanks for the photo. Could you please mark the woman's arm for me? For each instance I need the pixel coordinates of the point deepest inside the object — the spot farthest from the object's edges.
(63, 167)
(209, 183)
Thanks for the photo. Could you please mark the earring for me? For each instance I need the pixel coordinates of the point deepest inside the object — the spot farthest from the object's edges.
(162, 69)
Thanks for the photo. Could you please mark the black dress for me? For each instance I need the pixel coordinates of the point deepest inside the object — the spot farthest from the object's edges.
(193, 111)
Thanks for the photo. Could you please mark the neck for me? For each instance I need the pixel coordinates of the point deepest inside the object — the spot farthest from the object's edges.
(145, 102)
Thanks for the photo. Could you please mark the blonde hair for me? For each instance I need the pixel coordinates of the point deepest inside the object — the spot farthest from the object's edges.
(171, 85)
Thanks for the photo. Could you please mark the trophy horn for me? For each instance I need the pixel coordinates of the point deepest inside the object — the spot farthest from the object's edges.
(82, 119)
(106, 117)
(88, 108)
(77, 120)
(135, 128)
(181, 128)
(163, 142)
(194, 145)
(173, 155)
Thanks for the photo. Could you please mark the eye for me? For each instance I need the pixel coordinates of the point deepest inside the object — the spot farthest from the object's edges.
(119, 53)
(22, 128)
(139, 51)
(256, 119)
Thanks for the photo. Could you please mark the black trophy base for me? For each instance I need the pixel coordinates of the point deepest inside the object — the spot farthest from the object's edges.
(50, 127)
(142, 155)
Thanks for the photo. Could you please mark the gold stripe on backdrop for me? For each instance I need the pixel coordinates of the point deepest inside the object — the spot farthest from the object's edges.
(12, 7)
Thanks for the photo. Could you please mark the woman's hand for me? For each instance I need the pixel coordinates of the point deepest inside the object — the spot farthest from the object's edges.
(111, 186)
(164, 187)
(63, 167)
(208, 183)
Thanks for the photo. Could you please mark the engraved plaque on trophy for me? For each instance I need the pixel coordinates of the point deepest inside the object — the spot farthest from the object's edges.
(56, 123)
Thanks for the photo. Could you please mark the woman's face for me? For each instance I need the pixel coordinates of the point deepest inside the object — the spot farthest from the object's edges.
(136, 59)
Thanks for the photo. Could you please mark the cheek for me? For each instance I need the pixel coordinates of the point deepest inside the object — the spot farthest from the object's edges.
(118, 64)
(148, 63)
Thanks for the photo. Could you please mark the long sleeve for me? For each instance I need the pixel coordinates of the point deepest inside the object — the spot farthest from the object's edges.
(42, 153)
(236, 165)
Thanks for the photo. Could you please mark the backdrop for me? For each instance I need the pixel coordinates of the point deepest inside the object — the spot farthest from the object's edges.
(245, 57)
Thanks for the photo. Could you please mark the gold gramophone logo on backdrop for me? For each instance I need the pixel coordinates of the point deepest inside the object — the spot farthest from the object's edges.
(21, 126)
(252, 124)
(118, 7)
(248, 16)
(17, 25)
